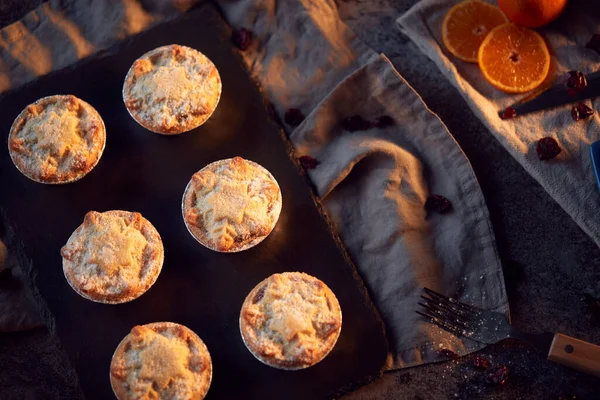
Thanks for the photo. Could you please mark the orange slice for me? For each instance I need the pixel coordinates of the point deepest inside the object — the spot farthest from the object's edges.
(467, 24)
(514, 59)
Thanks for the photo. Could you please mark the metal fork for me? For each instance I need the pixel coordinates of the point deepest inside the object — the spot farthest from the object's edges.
(491, 327)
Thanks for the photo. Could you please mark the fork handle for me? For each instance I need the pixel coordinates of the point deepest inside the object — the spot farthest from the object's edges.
(575, 353)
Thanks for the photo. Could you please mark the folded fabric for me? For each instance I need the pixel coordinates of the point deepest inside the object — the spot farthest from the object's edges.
(58, 33)
(569, 178)
(374, 182)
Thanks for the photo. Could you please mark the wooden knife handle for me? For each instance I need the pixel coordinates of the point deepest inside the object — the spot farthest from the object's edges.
(575, 353)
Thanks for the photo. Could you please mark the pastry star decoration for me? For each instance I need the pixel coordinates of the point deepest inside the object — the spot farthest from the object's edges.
(163, 360)
(230, 203)
(170, 83)
(60, 135)
(115, 252)
(290, 321)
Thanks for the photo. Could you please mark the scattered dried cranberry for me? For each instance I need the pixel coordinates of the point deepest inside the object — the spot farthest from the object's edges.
(355, 123)
(294, 117)
(580, 111)
(576, 82)
(308, 162)
(509, 113)
(480, 362)
(383, 122)
(242, 38)
(446, 353)
(547, 148)
(497, 376)
(594, 43)
(438, 204)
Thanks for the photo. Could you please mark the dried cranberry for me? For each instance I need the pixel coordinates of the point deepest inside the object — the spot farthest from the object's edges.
(580, 111)
(576, 82)
(594, 43)
(438, 204)
(242, 38)
(509, 113)
(355, 123)
(497, 376)
(383, 122)
(480, 362)
(259, 295)
(293, 117)
(308, 162)
(547, 148)
(446, 353)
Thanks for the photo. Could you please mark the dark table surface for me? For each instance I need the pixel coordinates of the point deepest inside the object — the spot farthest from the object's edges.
(549, 263)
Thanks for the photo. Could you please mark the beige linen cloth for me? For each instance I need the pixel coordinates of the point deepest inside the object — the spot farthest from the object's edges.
(569, 178)
(373, 183)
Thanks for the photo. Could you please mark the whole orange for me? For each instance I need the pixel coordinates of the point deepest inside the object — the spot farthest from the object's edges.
(532, 13)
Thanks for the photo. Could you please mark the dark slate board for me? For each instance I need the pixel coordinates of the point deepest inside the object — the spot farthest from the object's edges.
(145, 172)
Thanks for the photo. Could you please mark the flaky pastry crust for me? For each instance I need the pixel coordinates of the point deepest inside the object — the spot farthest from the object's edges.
(231, 205)
(290, 320)
(172, 89)
(57, 139)
(113, 257)
(161, 360)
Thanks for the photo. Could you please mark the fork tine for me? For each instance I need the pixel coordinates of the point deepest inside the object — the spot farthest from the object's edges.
(462, 306)
(441, 324)
(433, 307)
(448, 316)
(444, 307)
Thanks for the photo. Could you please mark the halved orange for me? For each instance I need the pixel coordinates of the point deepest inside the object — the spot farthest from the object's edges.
(514, 59)
(466, 25)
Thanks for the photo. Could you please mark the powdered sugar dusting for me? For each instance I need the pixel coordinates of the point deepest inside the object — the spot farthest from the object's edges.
(113, 256)
(231, 204)
(172, 89)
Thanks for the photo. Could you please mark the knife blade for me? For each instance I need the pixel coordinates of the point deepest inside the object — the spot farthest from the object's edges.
(556, 96)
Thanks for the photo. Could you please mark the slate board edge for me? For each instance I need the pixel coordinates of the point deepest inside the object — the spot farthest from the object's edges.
(18, 253)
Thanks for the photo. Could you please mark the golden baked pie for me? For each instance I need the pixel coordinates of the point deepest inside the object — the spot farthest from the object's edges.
(162, 360)
(172, 89)
(113, 257)
(57, 139)
(231, 205)
(290, 320)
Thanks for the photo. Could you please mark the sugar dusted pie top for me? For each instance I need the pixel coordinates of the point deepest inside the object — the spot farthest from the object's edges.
(290, 320)
(57, 139)
(162, 360)
(231, 205)
(172, 89)
(113, 257)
